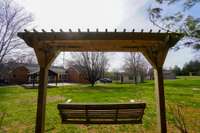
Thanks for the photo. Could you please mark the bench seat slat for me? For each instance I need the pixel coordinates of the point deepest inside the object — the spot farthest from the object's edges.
(101, 106)
(102, 122)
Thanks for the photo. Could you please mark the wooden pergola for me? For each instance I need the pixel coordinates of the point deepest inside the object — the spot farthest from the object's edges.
(47, 46)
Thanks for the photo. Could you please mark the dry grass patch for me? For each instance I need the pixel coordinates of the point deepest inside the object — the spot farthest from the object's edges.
(33, 100)
(52, 99)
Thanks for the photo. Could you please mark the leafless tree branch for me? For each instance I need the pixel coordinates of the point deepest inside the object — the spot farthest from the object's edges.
(135, 66)
(91, 64)
(12, 20)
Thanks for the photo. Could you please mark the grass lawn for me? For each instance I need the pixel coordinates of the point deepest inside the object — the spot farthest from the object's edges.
(18, 106)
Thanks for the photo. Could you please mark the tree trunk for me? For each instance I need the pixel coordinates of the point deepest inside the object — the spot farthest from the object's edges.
(92, 84)
(135, 78)
(142, 77)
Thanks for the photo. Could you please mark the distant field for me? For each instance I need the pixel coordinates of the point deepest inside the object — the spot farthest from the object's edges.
(18, 106)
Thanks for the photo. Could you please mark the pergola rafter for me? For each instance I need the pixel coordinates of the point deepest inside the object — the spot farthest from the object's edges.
(153, 45)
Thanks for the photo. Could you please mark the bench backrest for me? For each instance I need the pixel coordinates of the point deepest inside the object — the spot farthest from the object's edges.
(101, 113)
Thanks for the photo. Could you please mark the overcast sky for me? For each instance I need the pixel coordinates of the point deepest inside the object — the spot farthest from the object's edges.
(120, 14)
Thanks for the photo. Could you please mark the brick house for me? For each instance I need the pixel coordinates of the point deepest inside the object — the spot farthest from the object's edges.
(28, 73)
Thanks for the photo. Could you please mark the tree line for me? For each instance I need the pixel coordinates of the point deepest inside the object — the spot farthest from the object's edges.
(192, 68)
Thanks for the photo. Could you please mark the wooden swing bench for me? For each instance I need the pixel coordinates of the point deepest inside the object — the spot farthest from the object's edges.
(112, 113)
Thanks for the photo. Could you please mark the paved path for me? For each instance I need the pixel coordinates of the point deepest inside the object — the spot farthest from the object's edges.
(50, 84)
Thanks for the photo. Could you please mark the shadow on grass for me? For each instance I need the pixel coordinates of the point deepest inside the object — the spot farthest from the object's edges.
(110, 87)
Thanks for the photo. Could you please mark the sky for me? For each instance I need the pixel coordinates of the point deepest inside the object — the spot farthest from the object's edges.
(110, 14)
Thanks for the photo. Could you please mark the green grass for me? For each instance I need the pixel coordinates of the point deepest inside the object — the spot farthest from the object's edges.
(18, 104)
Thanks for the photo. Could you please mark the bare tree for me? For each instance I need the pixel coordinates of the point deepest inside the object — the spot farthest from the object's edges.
(91, 64)
(135, 66)
(13, 19)
(21, 56)
(26, 58)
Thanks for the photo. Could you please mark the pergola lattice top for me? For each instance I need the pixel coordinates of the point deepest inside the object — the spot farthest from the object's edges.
(99, 41)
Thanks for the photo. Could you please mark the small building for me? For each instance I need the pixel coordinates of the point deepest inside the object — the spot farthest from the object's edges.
(127, 78)
(167, 74)
(75, 76)
(124, 77)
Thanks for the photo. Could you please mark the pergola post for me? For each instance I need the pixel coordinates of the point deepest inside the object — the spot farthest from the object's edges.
(41, 103)
(160, 98)
(156, 58)
(45, 58)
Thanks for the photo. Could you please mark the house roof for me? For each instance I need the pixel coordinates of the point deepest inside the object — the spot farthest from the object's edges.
(58, 69)
(34, 68)
(74, 67)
